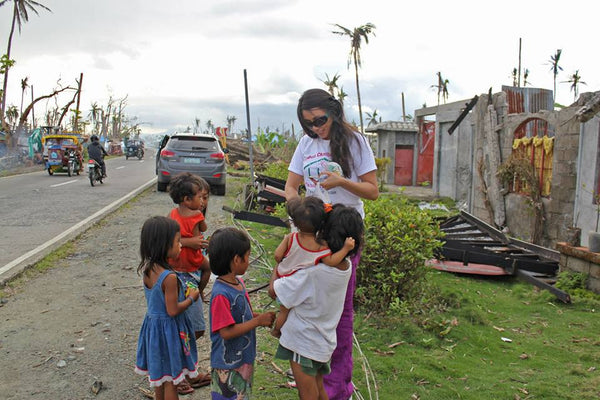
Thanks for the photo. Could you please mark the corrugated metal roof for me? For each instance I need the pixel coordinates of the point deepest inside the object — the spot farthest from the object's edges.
(528, 100)
(396, 126)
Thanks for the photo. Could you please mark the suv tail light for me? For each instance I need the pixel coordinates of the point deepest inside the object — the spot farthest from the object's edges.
(218, 155)
(167, 153)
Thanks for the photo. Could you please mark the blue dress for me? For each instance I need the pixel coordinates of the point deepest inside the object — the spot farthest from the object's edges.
(166, 349)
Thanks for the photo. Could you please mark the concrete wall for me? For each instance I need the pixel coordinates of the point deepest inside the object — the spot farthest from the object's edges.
(387, 142)
(465, 169)
(585, 211)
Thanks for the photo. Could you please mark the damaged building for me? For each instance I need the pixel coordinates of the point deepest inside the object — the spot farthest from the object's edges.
(507, 158)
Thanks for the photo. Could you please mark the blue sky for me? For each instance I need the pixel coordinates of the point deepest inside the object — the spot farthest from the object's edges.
(183, 60)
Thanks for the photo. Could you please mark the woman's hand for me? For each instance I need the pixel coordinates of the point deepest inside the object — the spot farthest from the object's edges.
(331, 180)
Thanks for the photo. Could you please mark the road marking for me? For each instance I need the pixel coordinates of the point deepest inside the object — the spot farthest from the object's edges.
(76, 227)
(120, 167)
(64, 183)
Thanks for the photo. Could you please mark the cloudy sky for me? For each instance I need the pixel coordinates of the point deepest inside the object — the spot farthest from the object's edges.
(185, 59)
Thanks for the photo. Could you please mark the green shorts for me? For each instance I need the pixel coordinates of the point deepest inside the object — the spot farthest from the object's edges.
(309, 367)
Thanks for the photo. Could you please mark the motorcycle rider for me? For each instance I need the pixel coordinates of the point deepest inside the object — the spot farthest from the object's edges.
(96, 152)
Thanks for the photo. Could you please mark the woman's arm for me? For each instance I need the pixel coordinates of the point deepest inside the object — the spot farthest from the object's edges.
(292, 184)
(366, 188)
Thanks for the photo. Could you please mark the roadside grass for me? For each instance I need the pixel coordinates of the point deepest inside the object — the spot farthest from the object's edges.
(52, 260)
(499, 338)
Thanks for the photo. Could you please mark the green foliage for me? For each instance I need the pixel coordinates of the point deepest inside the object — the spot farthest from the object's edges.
(382, 164)
(399, 239)
(5, 63)
(277, 169)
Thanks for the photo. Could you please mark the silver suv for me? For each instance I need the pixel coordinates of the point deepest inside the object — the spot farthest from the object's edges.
(199, 154)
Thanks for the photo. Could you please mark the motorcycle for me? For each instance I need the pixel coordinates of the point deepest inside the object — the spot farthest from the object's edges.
(134, 148)
(94, 172)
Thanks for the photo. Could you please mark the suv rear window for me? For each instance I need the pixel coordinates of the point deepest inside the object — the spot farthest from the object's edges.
(193, 143)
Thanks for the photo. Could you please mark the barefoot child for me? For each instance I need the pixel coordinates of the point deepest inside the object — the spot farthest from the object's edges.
(304, 248)
(232, 321)
(166, 350)
(315, 297)
(190, 193)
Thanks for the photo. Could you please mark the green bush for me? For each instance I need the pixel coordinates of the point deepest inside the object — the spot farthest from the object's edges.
(399, 239)
(277, 169)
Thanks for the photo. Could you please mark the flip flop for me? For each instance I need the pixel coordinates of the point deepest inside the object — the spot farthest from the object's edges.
(184, 388)
(200, 381)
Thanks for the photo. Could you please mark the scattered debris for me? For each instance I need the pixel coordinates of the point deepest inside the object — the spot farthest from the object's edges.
(507, 340)
(148, 393)
(96, 387)
(391, 346)
(61, 364)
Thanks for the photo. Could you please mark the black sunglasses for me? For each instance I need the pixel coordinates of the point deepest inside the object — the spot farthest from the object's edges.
(317, 122)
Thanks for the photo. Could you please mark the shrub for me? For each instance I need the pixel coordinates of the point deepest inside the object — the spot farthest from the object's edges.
(399, 239)
(277, 169)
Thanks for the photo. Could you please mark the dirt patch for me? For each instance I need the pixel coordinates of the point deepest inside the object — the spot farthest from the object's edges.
(78, 323)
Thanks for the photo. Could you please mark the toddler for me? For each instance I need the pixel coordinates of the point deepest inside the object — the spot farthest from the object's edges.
(304, 248)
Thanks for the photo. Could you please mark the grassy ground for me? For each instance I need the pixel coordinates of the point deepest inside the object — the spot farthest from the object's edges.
(500, 339)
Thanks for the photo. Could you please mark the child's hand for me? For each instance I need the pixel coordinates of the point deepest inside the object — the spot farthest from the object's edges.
(276, 333)
(194, 242)
(266, 319)
(349, 243)
(194, 293)
(204, 243)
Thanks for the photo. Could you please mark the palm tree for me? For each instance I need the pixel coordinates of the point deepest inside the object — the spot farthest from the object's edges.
(575, 81)
(24, 85)
(20, 14)
(372, 117)
(525, 76)
(331, 83)
(230, 122)
(445, 90)
(95, 116)
(196, 125)
(442, 88)
(209, 126)
(12, 114)
(356, 36)
(554, 67)
(342, 95)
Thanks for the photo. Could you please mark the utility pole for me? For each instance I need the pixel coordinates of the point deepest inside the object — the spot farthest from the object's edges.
(249, 134)
(76, 127)
(403, 109)
(519, 78)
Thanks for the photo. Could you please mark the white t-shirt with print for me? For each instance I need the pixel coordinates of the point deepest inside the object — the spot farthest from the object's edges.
(315, 297)
(312, 155)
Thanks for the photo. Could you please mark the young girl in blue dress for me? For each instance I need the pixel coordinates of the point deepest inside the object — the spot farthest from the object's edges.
(166, 350)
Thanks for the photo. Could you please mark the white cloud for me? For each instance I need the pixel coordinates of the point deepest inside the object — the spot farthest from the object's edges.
(186, 60)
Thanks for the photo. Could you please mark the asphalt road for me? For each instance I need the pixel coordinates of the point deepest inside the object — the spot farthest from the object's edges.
(36, 208)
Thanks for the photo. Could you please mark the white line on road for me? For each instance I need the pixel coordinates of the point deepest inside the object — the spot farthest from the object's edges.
(74, 228)
(64, 183)
(120, 167)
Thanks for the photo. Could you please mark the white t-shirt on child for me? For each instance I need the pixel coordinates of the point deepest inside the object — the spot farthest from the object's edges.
(315, 297)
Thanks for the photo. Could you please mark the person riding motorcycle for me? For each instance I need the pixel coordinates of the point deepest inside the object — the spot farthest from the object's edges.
(96, 152)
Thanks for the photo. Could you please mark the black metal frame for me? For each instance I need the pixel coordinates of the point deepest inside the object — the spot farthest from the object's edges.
(471, 240)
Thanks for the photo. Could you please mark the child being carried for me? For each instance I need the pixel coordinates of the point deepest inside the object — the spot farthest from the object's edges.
(304, 248)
